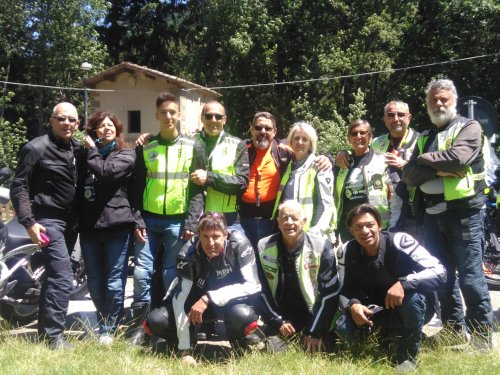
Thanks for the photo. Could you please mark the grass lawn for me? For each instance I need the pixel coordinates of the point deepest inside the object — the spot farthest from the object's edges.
(19, 356)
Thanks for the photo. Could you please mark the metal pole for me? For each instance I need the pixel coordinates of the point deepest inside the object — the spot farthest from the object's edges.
(470, 108)
(85, 100)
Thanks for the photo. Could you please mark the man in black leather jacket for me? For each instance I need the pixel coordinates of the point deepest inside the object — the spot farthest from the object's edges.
(390, 272)
(42, 194)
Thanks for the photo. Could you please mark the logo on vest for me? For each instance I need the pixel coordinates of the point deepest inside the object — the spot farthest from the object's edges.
(153, 156)
(269, 275)
(270, 259)
(224, 272)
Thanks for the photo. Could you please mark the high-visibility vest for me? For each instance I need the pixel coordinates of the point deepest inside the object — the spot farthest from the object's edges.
(454, 187)
(222, 161)
(306, 265)
(376, 186)
(167, 176)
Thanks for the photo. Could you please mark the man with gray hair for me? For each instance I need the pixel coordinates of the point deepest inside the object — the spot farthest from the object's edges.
(448, 169)
(299, 279)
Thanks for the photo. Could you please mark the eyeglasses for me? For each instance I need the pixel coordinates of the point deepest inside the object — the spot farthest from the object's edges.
(361, 133)
(63, 119)
(394, 114)
(265, 128)
(218, 117)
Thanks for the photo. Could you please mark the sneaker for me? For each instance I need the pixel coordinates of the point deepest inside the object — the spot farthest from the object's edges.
(105, 339)
(60, 343)
(187, 358)
(406, 366)
(449, 338)
(481, 343)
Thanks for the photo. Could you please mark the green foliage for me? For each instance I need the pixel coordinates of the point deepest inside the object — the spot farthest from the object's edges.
(12, 138)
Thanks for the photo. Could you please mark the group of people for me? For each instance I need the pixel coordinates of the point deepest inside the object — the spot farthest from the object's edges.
(242, 230)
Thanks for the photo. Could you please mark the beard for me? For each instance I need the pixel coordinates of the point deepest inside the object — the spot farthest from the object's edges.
(442, 116)
(262, 143)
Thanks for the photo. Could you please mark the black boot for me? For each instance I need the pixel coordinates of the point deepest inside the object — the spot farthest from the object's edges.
(139, 312)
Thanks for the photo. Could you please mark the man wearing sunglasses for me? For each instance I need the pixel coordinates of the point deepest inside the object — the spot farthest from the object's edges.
(42, 194)
(269, 159)
(224, 164)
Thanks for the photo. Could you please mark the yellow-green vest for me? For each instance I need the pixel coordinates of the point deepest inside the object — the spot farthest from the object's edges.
(378, 196)
(222, 162)
(306, 192)
(167, 178)
(306, 265)
(454, 187)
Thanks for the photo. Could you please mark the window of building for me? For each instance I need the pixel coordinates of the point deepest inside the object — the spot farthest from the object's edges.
(134, 121)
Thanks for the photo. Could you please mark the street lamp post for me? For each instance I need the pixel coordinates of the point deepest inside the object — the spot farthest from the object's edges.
(85, 67)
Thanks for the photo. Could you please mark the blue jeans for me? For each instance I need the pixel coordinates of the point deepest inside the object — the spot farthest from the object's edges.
(407, 321)
(57, 286)
(256, 229)
(456, 238)
(105, 257)
(160, 231)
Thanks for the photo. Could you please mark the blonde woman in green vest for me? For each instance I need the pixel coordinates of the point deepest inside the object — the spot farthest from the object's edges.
(304, 183)
(365, 180)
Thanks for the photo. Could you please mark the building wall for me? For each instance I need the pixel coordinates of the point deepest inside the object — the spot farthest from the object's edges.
(136, 92)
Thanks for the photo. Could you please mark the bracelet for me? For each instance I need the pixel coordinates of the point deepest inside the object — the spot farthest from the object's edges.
(204, 298)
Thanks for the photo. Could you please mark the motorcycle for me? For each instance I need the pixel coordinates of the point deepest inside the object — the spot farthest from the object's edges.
(491, 252)
(22, 269)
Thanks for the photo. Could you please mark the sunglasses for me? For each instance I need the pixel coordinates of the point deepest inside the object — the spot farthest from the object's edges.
(361, 133)
(394, 114)
(209, 116)
(63, 119)
(265, 128)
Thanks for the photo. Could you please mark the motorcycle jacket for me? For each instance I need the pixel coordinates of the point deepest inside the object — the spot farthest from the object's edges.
(316, 271)
(230, 275)
(400, 257)
(459, 149)
(105, 201)
(46, 179)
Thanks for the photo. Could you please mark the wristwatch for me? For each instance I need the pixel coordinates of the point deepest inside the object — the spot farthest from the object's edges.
(205, 299)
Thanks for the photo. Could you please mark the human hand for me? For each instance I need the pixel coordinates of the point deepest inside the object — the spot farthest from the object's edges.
(34, 233)
(287, 329)
(343, 159)
(88, 141)
(195, 315)
(313, 345)
(361, 315)
(143, 139)
(394, 296)
(323, 163)
(140, 234)
(394, 160)
(199, 177)
(187, 234)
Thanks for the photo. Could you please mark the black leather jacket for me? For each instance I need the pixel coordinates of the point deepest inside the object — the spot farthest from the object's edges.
(104, 194)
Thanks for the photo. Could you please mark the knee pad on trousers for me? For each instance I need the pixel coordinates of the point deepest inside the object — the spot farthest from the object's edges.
(240, 320)
(158, 323)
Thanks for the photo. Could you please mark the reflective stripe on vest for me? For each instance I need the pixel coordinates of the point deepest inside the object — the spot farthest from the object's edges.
(167, 176)
(307, 267)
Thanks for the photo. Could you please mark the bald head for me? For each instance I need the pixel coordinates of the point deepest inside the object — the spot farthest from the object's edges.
(64, 121)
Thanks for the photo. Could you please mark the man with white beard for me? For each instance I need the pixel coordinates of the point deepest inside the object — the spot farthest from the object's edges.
(448, 168)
